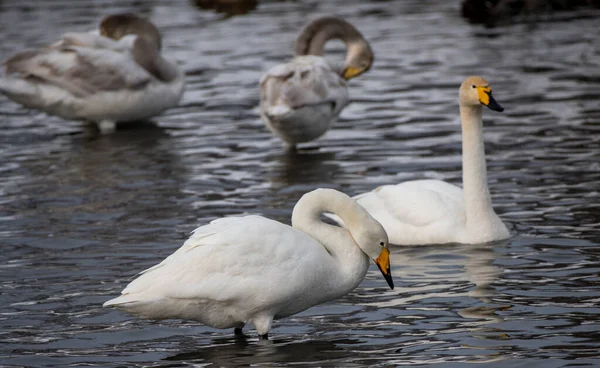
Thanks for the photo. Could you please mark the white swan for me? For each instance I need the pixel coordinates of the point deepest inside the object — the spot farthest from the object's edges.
(116, 74)
(433, 211)
(251, 269)
(300, 99)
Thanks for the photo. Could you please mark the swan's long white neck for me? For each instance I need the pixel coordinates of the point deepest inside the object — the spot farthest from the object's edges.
(478, 202)
(352, 263)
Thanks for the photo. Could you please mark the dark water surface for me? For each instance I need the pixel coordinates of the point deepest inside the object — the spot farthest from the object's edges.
(81, 214)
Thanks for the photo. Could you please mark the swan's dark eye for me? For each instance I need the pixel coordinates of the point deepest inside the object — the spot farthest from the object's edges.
(473, 86)
(381, 243)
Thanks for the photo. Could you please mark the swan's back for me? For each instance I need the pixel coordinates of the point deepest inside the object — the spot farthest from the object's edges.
(299, 99)
(418, 211)
(80, 70)
(88, 76)
(305, 80)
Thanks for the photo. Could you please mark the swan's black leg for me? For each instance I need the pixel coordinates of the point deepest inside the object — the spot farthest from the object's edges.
(238, 331)
(264, 337)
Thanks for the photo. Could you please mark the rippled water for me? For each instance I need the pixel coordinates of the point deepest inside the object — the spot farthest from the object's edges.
(80, 214)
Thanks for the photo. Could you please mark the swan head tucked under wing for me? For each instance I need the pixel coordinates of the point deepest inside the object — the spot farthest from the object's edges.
(116, 26)
(366, 232)
(312, 39)
(146, 46)
(476, 91)
(115, 73)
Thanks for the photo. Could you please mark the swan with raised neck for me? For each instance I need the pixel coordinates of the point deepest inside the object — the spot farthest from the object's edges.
(474, 93)
(433, 211)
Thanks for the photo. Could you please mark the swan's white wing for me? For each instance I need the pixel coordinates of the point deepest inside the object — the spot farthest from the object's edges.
(416, 212)
(231, 259)
(418, 203)
(304, 81)
(81, 70)
(94, 40)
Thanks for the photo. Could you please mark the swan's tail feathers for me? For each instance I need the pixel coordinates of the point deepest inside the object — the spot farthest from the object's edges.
(120, 301)
(16, 87)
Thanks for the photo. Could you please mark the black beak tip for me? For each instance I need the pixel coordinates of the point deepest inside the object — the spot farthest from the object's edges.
(387, 276)
(390, 282)
(493, 105)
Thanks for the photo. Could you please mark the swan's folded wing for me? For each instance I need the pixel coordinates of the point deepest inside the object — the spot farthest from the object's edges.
(198, 238)
(418, 203)
(223, 261)
(91, 40)
(303, 82)
(82, 71)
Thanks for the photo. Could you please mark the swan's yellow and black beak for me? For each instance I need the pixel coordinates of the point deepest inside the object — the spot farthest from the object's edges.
(485, 97)
(383, 262)
(351, 72)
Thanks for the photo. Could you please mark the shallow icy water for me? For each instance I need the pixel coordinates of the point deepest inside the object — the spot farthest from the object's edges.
(80, 214)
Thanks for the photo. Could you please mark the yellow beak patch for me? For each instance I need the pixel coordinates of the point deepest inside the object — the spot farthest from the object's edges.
(383, 263)
(483, 94)
(383, 260)
(351, 72)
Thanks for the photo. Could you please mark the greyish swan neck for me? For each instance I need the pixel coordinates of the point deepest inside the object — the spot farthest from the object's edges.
(478, 202)
(313, 37)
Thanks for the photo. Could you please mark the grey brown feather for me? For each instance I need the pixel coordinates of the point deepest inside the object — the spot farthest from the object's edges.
(312, 39)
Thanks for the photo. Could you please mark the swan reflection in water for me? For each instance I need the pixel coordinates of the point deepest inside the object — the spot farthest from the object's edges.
(464, 275)
(309, 166)
(242, 351)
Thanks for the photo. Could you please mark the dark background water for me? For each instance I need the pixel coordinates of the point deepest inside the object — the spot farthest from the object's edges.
(80, 214)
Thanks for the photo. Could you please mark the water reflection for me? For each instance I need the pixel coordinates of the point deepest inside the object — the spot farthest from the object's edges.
(247, 352)
(228, 7)
(496, 12)
(87, 182)
(309, 166)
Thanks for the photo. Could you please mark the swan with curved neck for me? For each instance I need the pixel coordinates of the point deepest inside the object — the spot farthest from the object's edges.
(301, 99)
(312, 40)
(435, 212)
(114, 74)
(251, 269)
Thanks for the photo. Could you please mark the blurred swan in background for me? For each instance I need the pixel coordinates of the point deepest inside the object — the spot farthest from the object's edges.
(114, 74)
(300, 99)
(433, 211)
(251, 269)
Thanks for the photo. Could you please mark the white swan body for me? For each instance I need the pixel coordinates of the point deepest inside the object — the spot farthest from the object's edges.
(252, 269)
(435, 212)
(87, 76)
(299, 100)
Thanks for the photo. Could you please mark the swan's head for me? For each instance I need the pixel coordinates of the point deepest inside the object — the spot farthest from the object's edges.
(359, 58)
(366, 232)
(476, 91)
(312, 39)
(373, 240)
(116, 26)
